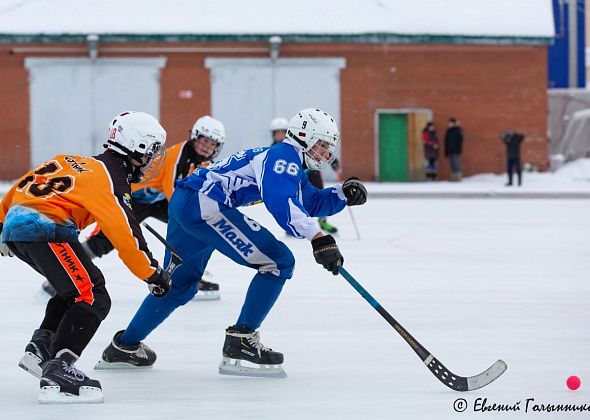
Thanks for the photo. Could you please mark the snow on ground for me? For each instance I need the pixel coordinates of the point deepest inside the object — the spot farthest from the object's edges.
(472, 280)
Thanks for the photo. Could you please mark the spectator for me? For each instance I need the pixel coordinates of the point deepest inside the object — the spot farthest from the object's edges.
(454, 147)
(512, 139)
(431, 146)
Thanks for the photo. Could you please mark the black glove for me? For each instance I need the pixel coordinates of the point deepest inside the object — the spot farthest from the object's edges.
(327, 254)
(159, 283)
(354, 191)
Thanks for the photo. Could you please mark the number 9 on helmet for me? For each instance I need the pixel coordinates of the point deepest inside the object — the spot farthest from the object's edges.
(317, 134)
(140, 137)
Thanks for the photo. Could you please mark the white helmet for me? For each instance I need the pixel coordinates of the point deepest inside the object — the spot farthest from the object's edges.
(279, 123)
(141, 137)
(212, 129)
(311, 126)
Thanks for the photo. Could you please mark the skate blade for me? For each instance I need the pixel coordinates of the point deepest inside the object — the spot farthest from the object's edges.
(30, 363)
(88, 395)
(102, 365)
(210, 295)
(234, 367)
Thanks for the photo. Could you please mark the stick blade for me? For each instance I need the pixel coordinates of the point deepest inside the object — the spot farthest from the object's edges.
(488, 376)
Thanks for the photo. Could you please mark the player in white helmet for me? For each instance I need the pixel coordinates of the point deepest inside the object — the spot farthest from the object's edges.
(278, 129)
(204, 217)
(206, 139)
(40, 219)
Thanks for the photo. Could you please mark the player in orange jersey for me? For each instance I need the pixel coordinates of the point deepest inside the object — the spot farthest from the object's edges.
(40, 219)
(151, 198)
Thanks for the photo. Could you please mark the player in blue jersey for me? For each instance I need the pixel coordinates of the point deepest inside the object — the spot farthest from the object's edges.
(204, 216)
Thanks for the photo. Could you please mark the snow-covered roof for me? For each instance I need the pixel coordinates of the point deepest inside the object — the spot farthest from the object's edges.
(504, 21)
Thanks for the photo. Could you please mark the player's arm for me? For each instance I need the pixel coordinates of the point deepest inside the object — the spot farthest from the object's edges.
(278, 178)
(109, 202)
(322, 202)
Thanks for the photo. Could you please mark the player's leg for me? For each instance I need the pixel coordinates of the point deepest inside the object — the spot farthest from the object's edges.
(250, 244)
(72, 317)
(126, 349)
(510, 165)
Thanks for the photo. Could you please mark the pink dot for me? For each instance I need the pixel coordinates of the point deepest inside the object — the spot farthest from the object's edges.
(573, 382)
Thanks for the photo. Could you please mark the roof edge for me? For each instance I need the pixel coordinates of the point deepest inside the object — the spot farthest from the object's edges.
(370, 38)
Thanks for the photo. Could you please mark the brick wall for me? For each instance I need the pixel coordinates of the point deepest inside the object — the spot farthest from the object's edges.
(488, 88)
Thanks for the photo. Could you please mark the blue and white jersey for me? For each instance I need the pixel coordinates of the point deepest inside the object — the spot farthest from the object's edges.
(275, 176)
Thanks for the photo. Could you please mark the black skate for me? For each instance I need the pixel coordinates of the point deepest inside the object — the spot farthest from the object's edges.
(48, 288)
(37, 352)
(207, 291)
(120, 356)
(62, 383)
(243, 345)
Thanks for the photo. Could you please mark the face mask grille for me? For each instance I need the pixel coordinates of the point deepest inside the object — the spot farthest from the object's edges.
(155, 160)
(322, 153)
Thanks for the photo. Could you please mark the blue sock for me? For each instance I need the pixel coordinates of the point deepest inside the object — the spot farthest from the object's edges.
(152, 312)
(261, 296)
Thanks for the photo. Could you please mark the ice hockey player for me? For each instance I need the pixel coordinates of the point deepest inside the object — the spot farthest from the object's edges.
(41, 216)
(204, 217)
(151, 198)
(278, 129)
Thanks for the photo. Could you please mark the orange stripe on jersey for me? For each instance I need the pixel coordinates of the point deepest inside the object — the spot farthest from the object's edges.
(76, 271)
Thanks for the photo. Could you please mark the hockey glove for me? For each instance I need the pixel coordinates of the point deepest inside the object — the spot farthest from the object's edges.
(354, 191)
(159, 283)
(4, 250)
(327, 254)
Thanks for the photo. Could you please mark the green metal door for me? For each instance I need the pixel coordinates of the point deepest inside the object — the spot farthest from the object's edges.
(393, 147)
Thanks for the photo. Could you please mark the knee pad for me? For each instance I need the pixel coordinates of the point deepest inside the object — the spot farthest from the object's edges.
(285, 262)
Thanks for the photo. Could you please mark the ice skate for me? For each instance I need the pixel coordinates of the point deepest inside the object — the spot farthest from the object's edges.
(120, 356)
(326, 226)
(207, 291)
(245, 355)
(62, 383)
(48, 288)
(37, 352)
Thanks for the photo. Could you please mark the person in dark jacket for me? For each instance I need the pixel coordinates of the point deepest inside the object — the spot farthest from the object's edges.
(512, 139)
(454, 147)
(431, 146)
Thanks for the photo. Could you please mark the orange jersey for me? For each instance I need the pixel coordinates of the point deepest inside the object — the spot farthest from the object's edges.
(64, 195)
(180, 162)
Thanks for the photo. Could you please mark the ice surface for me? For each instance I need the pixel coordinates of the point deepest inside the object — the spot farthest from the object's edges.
(472, 280)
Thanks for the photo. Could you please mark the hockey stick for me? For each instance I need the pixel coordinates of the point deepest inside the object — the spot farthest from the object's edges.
(455, 382)
(356, 228)
(175, 259)
(358, 235)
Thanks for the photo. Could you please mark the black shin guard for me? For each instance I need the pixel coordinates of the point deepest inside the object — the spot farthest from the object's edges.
(77, 327)
(56, 308)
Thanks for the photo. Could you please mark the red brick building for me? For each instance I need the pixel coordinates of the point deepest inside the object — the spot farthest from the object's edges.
(58, 90)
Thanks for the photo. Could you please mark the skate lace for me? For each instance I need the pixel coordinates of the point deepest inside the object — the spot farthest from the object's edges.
(254, 340)
(71, 369)
(141, 352)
